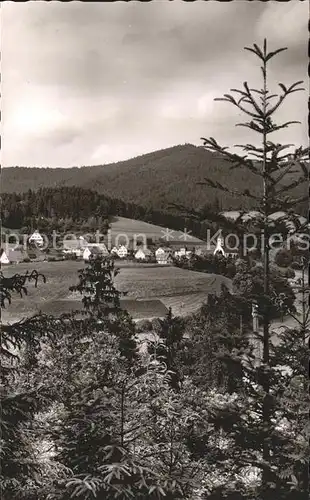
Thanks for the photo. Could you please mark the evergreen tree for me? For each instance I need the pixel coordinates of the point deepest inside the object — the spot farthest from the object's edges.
(101, 301)
(121, 433)
(170, 346)
(218, 338)
(21, 396)
(279, 172)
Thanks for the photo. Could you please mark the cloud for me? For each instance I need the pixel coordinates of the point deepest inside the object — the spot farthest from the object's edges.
(285, 26)
(84, 83)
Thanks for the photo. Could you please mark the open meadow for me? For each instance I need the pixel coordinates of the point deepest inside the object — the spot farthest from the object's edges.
(182, 290)
(132, 227)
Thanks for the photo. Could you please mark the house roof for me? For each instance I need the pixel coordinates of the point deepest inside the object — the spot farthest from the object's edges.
(74, 244)
(146, 251)
(95, 250)
(100, 246)
(36, 234)
(165, 249)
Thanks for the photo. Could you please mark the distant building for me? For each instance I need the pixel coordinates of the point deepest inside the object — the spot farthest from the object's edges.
(163, 255)
(114, 251)
(75, 246)
(36, 238)
(169, 259)
(94, 250)
(142, 254)
(3, 257)
(121, 251)
(15, 256)
(183, 252)
(223, 250)
(87, 253)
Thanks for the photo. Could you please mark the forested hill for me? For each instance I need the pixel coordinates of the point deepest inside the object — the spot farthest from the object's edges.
(152, 180)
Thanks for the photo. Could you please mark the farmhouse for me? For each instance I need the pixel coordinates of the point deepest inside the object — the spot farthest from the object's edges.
(163, 255)
(183, 252)
(143, 254)
(95, 250)
(36, 238)
(74, 246)
(121, 251)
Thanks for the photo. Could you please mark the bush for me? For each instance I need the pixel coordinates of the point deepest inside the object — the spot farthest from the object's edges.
(26, 259)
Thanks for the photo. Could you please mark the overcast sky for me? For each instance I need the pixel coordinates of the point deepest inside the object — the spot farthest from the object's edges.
(87, 83)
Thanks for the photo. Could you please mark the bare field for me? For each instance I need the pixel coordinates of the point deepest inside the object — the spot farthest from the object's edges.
(179, 289)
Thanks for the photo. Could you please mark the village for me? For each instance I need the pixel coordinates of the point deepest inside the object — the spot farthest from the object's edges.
(79, 248)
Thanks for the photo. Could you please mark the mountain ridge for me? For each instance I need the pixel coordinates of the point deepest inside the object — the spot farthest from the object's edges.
(157, 179)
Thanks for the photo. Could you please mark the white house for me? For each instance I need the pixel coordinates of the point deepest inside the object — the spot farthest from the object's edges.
(36, 238)
(122, 251)
(75, 246)
(162, 250)
(87, 253)
(143, 254)
(4, 258)
(163, 255)
(183, 252)
(94, 250)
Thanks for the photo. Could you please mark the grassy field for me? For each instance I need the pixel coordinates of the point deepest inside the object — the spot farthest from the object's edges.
(179, 289)
(130, 227)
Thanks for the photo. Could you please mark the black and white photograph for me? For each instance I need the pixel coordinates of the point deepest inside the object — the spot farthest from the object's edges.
(154, 272)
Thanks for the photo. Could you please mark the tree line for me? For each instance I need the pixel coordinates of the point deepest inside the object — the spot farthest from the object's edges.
(74, 208)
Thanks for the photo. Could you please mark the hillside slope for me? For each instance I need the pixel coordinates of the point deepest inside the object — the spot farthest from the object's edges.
(156, 179)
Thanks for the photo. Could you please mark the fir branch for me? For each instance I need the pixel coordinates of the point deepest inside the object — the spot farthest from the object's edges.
(290, 186)
(286, 91)
(237, 160)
